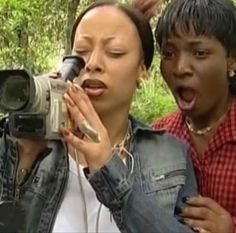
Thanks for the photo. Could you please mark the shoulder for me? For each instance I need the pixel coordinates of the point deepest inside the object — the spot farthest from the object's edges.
(160, 144)
(167, 121)
(169, 144)
(158, 133)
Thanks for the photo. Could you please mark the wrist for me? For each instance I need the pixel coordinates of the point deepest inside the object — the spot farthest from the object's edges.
(97, 165)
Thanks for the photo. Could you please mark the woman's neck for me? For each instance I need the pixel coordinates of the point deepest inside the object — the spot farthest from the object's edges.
(213, 117)
(116, 125)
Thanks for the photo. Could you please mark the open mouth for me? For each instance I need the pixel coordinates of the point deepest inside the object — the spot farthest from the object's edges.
(186, 98)
(93, 87)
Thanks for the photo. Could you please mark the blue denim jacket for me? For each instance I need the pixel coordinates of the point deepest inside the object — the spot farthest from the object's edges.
(141, 201)
(144, 200)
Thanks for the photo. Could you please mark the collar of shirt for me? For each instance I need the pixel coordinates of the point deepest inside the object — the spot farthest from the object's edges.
(175, 124)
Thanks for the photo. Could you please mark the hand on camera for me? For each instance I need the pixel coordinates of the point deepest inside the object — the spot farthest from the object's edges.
(29, 150)
(81, 111)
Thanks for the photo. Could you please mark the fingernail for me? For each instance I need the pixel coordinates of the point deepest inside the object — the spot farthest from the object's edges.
(182, 221)
(68, 101)
(69, 83)
(78, 86)
(65, 132)
(195, 229)
(178, 210)
(74, 88)
(186, 199)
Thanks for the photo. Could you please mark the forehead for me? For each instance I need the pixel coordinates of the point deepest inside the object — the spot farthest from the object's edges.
(107, 21)
(190, 36)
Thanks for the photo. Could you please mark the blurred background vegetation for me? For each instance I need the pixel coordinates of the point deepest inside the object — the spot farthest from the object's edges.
(36, 35)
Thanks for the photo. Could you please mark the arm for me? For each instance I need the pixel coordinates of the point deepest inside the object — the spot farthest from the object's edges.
(206, 215)
(132, 210)
(190, 187)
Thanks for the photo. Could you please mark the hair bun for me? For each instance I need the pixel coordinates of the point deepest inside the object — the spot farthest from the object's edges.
(147, 8)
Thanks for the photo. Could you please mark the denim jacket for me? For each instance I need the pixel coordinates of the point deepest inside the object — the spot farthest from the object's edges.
(141, 200)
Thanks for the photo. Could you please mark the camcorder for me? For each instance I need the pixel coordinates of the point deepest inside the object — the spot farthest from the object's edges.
(35, 105)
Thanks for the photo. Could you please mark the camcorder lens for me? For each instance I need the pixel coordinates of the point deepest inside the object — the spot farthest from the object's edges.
(14, 92)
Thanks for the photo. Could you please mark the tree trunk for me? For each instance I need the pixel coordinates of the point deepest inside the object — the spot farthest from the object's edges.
(71, 13)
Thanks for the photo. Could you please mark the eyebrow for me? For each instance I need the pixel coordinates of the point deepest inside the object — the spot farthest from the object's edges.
(108, 38)
(84, 36)
(190, 43)
(195, 43)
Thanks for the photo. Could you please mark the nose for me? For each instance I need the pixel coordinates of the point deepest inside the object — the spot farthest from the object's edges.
(94, 62)
(183, 66)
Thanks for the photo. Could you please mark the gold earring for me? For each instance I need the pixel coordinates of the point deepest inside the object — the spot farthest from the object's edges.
(231, 73)
(139, 83)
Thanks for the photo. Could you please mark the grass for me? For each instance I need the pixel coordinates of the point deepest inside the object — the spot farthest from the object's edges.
(152, 101)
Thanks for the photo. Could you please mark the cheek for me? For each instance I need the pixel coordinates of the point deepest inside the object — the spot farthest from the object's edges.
(165, 68)
(213, 83)
(125, 71)
(128, 79)
(213, 76)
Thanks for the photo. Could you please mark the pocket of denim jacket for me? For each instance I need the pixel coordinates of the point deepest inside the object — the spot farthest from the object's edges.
(165, 184)
(164, 178)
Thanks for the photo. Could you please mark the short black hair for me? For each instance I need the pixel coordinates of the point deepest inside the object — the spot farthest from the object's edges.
(215, 18)
(142, 25)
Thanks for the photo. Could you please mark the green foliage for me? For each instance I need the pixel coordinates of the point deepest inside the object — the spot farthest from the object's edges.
(30, 32)
(153, 100)
(34, 36)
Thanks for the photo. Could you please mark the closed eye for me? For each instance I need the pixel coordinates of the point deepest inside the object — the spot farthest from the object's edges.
(82, 52)
(114, 54)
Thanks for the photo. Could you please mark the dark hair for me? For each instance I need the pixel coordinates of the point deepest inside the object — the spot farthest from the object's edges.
(141, 23)
(215, 18)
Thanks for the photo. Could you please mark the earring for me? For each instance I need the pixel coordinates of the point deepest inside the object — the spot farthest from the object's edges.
(231, 73)
(232, 81)
(139, 83)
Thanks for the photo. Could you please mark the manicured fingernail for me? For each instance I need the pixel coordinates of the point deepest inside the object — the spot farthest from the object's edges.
(185, 199)
(78, 87)
(195, 229)
(69, 83)
(178, 210)
(74, 88)
(182, 221)
(65, 132)
(68, 101)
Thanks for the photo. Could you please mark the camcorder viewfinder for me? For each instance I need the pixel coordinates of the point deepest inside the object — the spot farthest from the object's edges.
(35, 105)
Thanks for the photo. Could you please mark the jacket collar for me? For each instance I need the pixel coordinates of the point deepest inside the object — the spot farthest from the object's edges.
(140, 126)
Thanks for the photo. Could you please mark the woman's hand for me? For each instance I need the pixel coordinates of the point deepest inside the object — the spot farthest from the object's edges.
(81, 111)
(206, 216)
(29, 151)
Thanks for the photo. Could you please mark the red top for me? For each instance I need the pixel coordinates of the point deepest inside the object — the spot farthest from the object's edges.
(216, 168)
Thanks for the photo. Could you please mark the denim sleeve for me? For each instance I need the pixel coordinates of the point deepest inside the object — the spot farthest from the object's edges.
(190, 187)
(133, 210)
